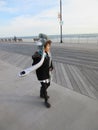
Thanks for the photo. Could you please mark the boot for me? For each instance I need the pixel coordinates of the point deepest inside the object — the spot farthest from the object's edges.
(47, 104)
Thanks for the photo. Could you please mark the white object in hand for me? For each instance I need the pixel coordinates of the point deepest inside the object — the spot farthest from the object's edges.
(32, 68)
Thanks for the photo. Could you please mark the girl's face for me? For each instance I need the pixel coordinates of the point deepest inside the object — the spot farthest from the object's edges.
(47, 48)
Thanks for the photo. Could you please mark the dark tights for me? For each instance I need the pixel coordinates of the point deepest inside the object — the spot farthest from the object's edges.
(43, 90)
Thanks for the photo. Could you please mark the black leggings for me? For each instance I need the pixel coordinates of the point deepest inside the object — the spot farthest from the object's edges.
(44, 90)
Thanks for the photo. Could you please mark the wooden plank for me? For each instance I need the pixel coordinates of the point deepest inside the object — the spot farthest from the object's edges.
(77, 79)
(57, 74)
(94, 77)
(62, 76)
(61, 79)
(95, 72)
(92, 88)
(54, 73)
(85, 83)
(68, 83)
(72, 80)
(89, 76)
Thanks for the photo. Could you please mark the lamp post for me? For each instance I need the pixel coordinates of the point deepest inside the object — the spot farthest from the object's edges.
(61, 22)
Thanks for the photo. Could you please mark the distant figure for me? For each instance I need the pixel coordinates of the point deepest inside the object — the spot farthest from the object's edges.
(43, 72)
(15, 39)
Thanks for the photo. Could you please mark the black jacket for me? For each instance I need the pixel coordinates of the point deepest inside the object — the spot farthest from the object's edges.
(43, 71)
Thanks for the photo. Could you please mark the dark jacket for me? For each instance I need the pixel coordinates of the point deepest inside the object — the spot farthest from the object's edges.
(43, 71)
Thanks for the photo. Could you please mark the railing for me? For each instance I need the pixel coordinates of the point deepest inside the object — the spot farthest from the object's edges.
(79, 40)
(11, 40)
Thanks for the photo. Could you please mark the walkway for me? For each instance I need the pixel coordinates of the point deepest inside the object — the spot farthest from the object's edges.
(22, 109)
(74, 69)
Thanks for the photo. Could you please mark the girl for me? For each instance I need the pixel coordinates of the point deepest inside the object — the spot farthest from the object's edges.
(43, 71)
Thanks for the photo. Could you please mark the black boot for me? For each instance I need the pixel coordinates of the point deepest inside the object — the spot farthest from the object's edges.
(47, 104)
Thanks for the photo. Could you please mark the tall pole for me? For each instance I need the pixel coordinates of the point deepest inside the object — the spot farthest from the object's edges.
(61, 21)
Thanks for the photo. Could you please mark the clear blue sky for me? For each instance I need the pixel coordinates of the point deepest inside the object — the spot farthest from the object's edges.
(30, 17)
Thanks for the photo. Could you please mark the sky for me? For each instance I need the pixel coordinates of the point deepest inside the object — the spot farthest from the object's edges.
(31, 17)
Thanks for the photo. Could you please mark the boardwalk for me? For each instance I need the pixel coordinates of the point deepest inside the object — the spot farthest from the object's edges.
(74, 69)
(77, 70)
(21, 108)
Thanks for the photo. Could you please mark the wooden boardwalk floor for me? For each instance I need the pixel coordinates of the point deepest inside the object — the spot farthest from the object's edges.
(77, 77)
